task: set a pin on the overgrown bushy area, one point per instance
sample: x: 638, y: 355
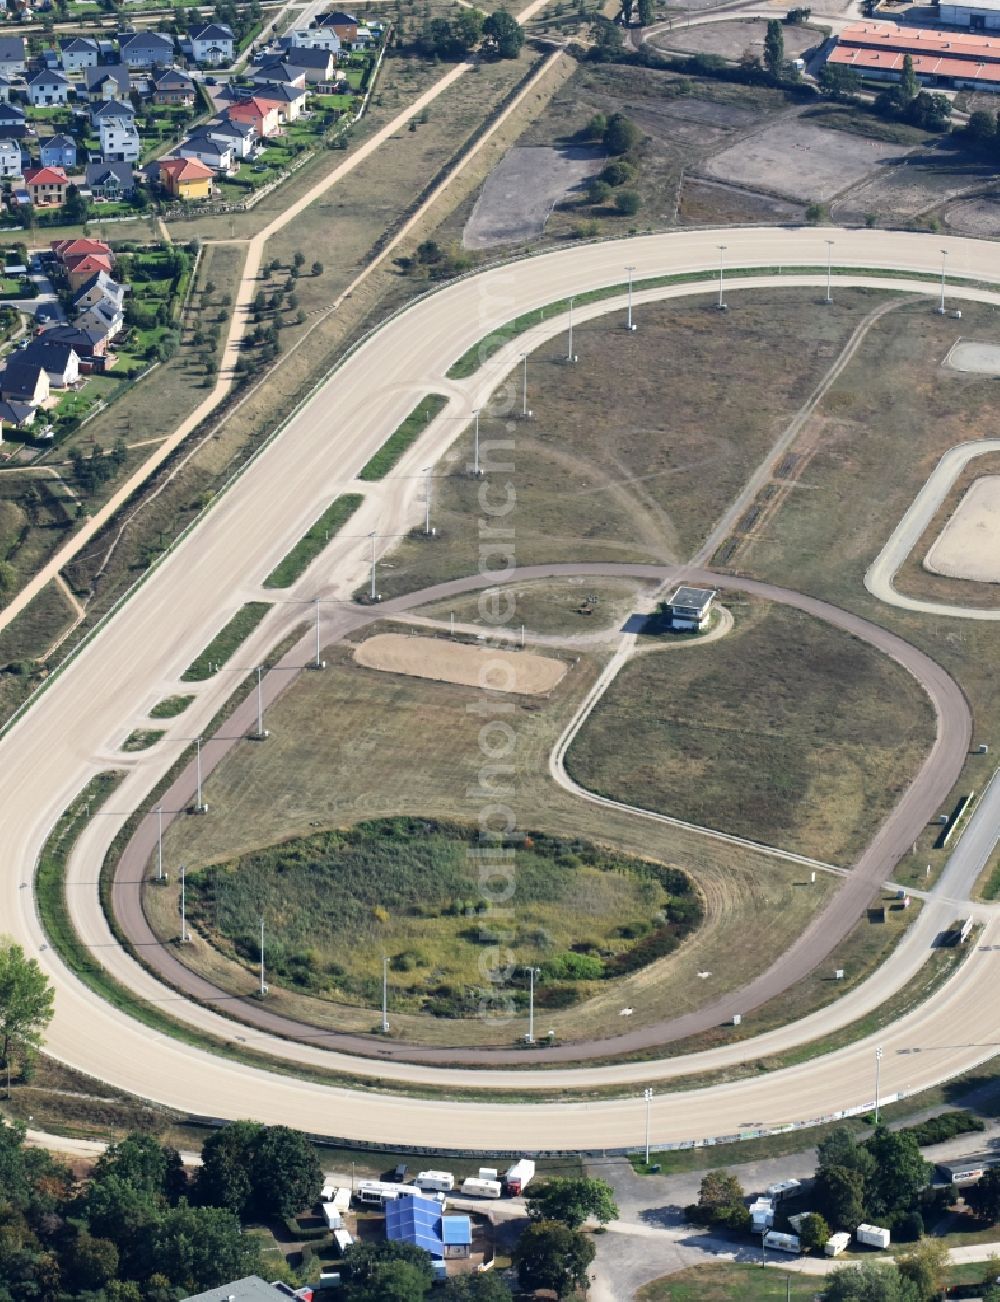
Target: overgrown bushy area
x: 424, y: 892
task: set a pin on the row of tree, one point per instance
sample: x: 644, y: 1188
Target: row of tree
x: 498, y: 34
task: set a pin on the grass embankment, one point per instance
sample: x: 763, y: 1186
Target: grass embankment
x: 404, y: 437
x: 226, y: 642
x: 408, y: 888
x: 309, y: 546
x: 788, y: 731
x: 170, y: 707
x: 729, y: 1282
x: 142, y: 739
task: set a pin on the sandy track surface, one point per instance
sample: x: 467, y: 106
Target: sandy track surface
x: 968, y: 547
x: 490, y: 669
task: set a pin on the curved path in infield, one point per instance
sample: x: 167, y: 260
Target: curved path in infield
x: 879, y: 580
x: 75, y: 728
x: 915, y: 809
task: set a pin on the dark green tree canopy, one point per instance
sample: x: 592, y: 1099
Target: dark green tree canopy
x: 571, y: 1200
x: 550, y: 1255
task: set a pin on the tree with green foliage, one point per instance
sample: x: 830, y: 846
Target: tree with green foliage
x: 908, y: 88
x: 383, y: 1269
x: 627, y: 8
x: 200, y: 1247
x: 550, y: 1255
x: 571, y: 1200
x: 813, y: 1233
x: 257, y: 1170
x: 598, y: 191
x: 774, y: 49
x: 621, y: 135
x: 93, y: 1262
x: 898, y: 1175
x: 142, y: 1162
x: 488, y: 1287
x: 8, y: 577
x: 627, y: 202
x: 838, y: 81
x: 983, y: 1197
x: 595, y: 128
x: 26, y: 1003
x: 839, y: 1148
x: 925, y: 1268
x: 504, y: 34
x: 645, y: 12
x: 839, y: 1194
x: 720, y: 1202
x: 868, y: 1281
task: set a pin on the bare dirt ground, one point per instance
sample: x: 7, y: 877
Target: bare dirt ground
x: 732, y: 39
x: 460, y: 662
x: 979, y: 216
x: 968, y: 547
x: 521, y: 191
x: 980, y: 359
x: 708, y: 202
x: 799, y: 161
x: 907, y: 185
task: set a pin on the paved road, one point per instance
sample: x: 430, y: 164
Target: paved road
x: 906, y: 535
x: 912, y: 813
x: 75, y: 728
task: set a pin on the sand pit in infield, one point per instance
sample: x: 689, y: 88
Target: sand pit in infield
x: 465, y: 663
x: 968, y: 547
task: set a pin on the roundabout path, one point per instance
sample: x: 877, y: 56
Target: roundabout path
x: 74, y: 729
x: 907, y: 819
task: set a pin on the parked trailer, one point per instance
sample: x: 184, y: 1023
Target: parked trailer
x: 782, y: 1242
x: 378, y: 1192
x: 519, y: 1176
x: 873, y: 1236
x: 443, y: 1181
x: 836, y: 1244
x: 783, y: 1188
x: 481, y: 1188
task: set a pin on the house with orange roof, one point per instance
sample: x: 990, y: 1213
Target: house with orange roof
x: 264, y: 115
x: 46, y: 186
x: 75, y: 248
x: 185, y: 178
x: 81, y: 267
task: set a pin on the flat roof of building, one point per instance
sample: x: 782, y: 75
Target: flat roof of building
x: 923, y: 65
x: 249, y: 1289
x: 698, y: 598
x: 976, y: 7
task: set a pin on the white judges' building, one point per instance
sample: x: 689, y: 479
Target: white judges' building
x: 690, y: 608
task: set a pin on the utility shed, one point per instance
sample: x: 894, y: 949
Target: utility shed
x: 690, y: 608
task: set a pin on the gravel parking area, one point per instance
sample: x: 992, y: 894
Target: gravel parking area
x: 799, y: 161
x: 520, y: 192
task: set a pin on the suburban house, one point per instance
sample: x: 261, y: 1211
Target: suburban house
x: 10, y: 160
x: 118, y: 109
x: 98, y: 289
x: 106, y: 81
x: 110, y: 181
x: 239, y: 135
x: 12, y: 57
x: 313, y: 38
x: 82, y: 268
x: 91, y: 346
x: 18, y: 414
x: 66, y: 250
x: 103, y: 319
x: 278, y: 74
x: 59, y: 361
x: 58, y: 151
x: 186, y: 178
x: 13, y: 124
x: 216, y: 154
x: 291, y: 100
x: 46, y: 186
x: 345, y: 25
x: 119, y: 140
x: 22, y: 381
x: 146, y: 50
x: 46, y: 88
x: 262, y: 114
x: 79, y: 53
x: 173, y: 87
x: 318, y: 65
x: 212, y: 45
x: 690, y: 608
x: 6, y: 87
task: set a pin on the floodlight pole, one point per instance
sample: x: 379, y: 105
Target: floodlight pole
x: 317, y: 662
x: 263, y: 983
x: 630, y: 270
x: 184, y: 931
x: 647, y: 1094
x: 524, y: 385
x: 199, y: 805
x: 159, y: 843
x: 829, y: 271
x: 878, y: 1075
x: 944, y: 263
x: 722, y: 250
x: 570, y: 357
x: 427, y: 500
x: 530, y: 1037
x: 385, y: 995
x: 374, y: 535
x: 261, y: 731
x: 475, y: 447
